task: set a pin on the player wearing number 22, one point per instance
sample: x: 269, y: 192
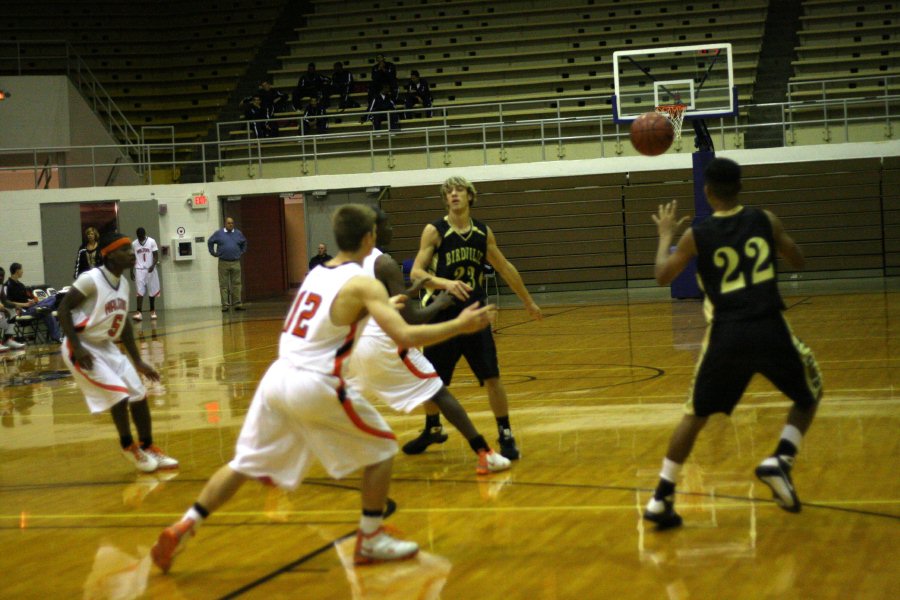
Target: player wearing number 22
x: 747, y: 334
x: 94, y: 316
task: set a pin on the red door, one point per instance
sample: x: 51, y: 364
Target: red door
x: 261, y: 220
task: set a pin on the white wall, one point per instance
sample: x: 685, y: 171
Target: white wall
x: 194, y: 283
x: 36, y: 114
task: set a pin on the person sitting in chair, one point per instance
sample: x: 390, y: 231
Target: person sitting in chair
x: 20, y: 297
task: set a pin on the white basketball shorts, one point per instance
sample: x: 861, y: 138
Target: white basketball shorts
x: 111, y: 379
x: 297, y: 415
x: 146, y: 283
x: 401, y: 379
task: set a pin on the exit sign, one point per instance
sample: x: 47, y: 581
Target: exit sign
x: 200, y: 201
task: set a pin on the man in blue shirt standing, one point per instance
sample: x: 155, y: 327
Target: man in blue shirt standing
x: 228, y: 245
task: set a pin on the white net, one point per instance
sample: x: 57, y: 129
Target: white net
x: 675, y: 114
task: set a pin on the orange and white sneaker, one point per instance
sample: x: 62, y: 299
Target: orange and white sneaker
x: 163, y: 460
x: 153, y: 314
x: 379, y: 546
x: 141, y: 460
x: 171, y: 541
x: 491, y: 462
x: 137, y: 316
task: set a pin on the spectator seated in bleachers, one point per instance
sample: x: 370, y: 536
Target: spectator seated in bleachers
x: 377, y: 107
x: 20, y: 297
x: 311, y: 124
x: 383, y: 73
x: 312, y: 83
x: 255, y: 114
x: 342, y: 86
x: 272, y: 100
x: 417, y: 93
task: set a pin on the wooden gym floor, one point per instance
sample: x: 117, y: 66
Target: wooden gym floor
x: 595, y: 390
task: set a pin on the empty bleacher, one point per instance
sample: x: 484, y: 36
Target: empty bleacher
x: 163, y: 63
x: 551, y: 58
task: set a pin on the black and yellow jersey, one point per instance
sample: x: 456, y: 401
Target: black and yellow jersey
x: 736, y: 265
x: 461, y: 255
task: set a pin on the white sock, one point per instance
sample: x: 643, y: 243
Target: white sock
x: 193, y: 515
x: 793, y: 435
x: 670, y: 470
x: 369, y: 525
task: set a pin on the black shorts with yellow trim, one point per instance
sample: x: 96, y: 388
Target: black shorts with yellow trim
x: 479, y: 350
x: 734, y: 351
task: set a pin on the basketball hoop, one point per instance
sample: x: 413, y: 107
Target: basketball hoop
x: 675, y: 114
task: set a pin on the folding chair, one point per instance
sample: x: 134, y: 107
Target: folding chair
x: 31, y: 328
x: 490, y: 276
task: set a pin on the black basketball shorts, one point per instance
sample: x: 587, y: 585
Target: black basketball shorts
x: 478, y: 348
x: 736, y: 350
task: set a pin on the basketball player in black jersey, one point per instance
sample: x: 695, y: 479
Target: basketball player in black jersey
x: 747, y: 333
x: 453, y: 251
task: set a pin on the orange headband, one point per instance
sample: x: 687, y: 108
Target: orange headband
x: 114, y: 245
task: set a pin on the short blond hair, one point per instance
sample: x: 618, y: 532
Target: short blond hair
x: 458, y: 181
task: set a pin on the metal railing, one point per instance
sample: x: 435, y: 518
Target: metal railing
x: 58, y: 56
x: 508, y: 125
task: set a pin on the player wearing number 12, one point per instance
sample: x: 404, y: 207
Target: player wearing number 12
x: 747, y: 334
x: 304, y: 409
x: 94, y: 316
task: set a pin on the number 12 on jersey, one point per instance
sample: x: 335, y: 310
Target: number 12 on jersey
x: 297, y: 318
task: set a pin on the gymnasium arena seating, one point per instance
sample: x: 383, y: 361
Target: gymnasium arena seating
x: 476, y: 53
x: 591, y: 232
x: 854, y: 47
x: 165, y: 63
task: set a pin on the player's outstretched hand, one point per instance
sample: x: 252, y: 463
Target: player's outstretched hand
x: 534, y: 311
x: 665, y: 219
x: 473, y: 318
x: 398, y: 301
x: 146, y: 370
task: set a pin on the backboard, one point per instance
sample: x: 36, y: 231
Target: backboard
x: 699, y: 76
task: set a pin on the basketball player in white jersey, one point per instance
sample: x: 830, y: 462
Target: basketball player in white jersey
x: 144, y: 273
x: 403, y: 378
x: 93, y: 316
x: 303, y: 407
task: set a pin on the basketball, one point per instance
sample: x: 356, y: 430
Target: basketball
x: 651, y: 134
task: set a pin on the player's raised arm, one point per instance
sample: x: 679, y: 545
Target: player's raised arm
x: 668, y: 266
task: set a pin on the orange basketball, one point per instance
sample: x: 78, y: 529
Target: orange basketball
x: 651, y: 134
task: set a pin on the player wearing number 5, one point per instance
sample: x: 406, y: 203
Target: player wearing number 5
x: 94, y: 316
x: 453, y: 251
x: 747, y: 334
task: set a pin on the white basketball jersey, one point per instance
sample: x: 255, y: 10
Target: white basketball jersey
x: 101, y: 316
x: 372, y: 328
x: 309, y: 339
x: 143, y: 253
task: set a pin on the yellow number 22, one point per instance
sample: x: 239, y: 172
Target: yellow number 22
x: 727, y: 258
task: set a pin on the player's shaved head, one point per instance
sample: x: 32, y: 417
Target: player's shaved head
x: 351, y: 223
